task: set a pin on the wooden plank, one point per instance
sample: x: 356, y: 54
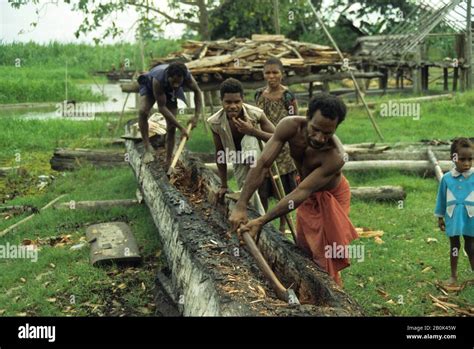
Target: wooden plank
x: 268, y: 37
x: 398, y: 165
x: 214, y: 86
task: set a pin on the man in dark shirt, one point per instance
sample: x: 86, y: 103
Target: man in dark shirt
x: 164, y: 84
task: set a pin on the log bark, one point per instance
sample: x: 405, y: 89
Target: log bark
x: 367, y: 154
x: 4, y: 171
x: 418, y: 166
x: 383, y: 193
x: 72, y: 159
x: 73, y: 205
x: 435, y: 164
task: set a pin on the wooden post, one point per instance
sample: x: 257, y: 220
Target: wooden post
x: 458, y: 70
x: 208, y: 101
x: 455, y: 79
x: 276, y: 16
x: 468, y: 46
x: 326, y: 86
x: 445, y: 79
x: 424, y: 68
x: 383, y: 81
x: 425, y: 78
x: 416, y: 80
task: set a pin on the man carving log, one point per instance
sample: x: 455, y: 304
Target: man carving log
x: 164, y: 85
x: 323, y: 193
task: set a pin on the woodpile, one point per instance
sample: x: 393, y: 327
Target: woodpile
x: 243, y: 58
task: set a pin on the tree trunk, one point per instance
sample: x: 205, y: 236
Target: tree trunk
x: 203, y: 21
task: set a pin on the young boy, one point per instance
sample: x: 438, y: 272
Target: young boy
x: 236, y: 130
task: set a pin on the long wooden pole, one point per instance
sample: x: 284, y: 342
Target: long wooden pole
x: 356, y: 85
x: 435, y: 163
x: 179, y: 150
x: 280, y: 191
x: 26, y: 219
x: 469, y: 76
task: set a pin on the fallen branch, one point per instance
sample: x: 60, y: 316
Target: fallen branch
x: 26, y: 219
x: 73, y: 205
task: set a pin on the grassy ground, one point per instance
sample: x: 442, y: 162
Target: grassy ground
x: 62, y: 282
x: 395, y: 277
x: 37, y: 73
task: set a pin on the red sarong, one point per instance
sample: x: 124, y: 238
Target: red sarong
x: 321, y: 221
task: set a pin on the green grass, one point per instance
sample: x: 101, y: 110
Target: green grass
x: 60, y: 275
x: 438, y: 119
x: 36, y: 73
x: 83, y: 57
x: 396, y: 266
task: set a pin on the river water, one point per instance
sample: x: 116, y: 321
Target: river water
x: 85, y: 110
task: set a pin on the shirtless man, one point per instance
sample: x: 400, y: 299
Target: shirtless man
x: 323, y: 194
x: 164, y: 84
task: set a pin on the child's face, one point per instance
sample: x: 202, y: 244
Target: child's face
x: 463, y: 159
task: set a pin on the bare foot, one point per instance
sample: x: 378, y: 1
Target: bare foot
x: 451, y: 281
x: 148, y: 157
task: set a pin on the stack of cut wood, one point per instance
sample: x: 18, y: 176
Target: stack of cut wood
x: 244, y: 58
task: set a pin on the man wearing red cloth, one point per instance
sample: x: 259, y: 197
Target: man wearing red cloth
x: 323, y: 194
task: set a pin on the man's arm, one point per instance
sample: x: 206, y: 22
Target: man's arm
x: 255, y: 177
x: 193, y: 86
x: 267, y: 129
x: 339, y: 146
x: 160, y: 97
